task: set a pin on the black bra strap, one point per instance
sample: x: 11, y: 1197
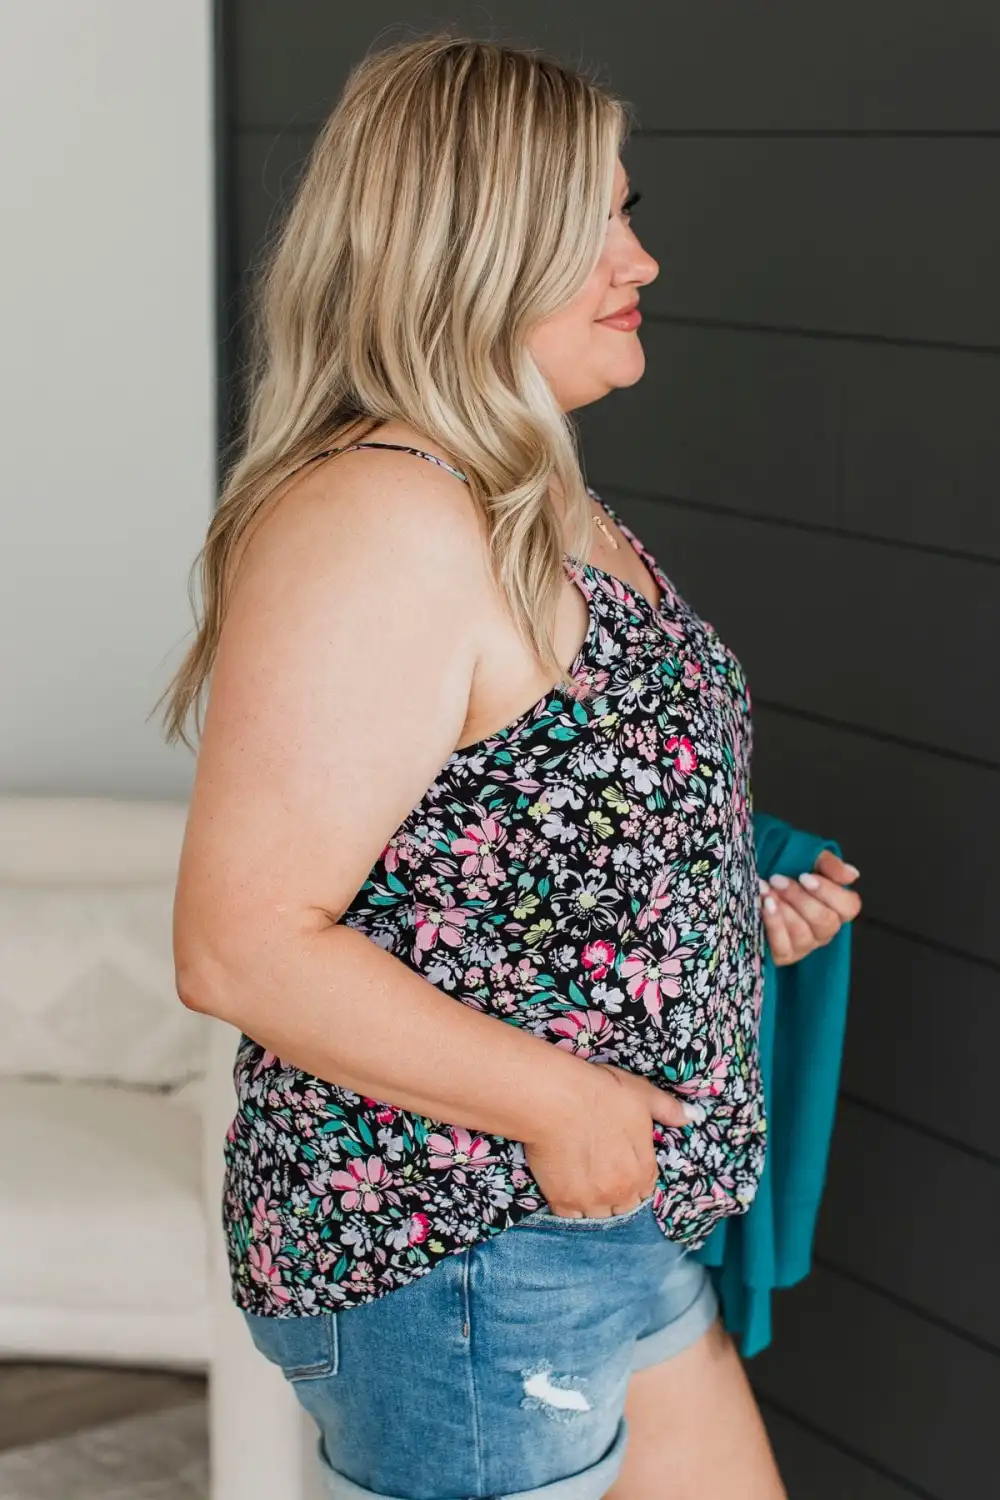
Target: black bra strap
x: 401, y: 448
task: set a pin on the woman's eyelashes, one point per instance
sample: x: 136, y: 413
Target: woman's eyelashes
x: 628, y: 205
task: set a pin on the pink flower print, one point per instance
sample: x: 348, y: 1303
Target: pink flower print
x: 391, y: 857
x: 713, y: 1078
x: 458, y: 1149
x: 363, y: 1184
x: 384, y: 1113
x: 659, y: 899
x: 265, y: 1225
x: 692, y: 673
x: 444, y: 922
x: 524, y: 974
x: 682, y: 750
x: 480, y: 845
x: 598, y: 957
x: 583, y: 1031
x: 651, y: 977
x: 712, y: 1199
x: 266, y: 1274
x: 419, y: 1227
x: 363, y: 1275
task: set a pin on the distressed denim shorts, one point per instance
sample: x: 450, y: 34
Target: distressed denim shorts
x: 501, y: 1372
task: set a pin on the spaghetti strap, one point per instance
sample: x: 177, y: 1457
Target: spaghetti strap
x: 400, y: 448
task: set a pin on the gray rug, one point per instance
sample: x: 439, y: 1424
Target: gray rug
x: 159, y: 1456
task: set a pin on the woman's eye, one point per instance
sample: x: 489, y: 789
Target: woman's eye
x: 627, y: 206
x: 630, y: 202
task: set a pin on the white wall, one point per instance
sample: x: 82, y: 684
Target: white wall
x: 106, y: 382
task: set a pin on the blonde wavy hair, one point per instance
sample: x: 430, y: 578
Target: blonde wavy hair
x: 458, y: 194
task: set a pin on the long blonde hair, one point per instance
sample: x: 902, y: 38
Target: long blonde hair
x: 458, y: 193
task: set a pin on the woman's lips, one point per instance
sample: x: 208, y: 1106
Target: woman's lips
x: 625, y: 321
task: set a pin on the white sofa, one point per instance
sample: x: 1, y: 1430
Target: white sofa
x: 114, y: 1102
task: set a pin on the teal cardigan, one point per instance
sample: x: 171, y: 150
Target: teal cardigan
x: 802, y: 1023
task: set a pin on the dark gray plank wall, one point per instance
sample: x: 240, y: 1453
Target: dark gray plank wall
x: 814, y: 454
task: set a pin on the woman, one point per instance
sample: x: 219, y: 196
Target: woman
x: 469, y: 856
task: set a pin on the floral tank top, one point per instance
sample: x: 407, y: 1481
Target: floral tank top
x: 586, y: 872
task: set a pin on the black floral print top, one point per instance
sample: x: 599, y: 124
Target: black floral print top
x: 587, y: 873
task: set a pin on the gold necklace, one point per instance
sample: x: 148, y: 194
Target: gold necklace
x: 607, y: 533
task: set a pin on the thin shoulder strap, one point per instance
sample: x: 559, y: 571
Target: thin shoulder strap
x: 401, y: 448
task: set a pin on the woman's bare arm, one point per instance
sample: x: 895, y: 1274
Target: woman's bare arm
x: 340, y: 688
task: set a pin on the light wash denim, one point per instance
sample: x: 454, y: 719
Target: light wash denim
x: 500, y: 1373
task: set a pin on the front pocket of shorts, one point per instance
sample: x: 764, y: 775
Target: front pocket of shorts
x: 547, y: 1220
x: 304, y: 1348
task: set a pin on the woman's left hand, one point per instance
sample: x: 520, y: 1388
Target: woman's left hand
x: 802, y: 915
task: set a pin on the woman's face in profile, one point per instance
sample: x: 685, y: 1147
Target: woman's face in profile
x: 584, y: 350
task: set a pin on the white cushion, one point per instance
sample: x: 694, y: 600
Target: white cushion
x: 101, y: 1200
x: 87, y: 988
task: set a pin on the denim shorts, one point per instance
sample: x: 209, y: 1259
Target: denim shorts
x: 502, y: 1372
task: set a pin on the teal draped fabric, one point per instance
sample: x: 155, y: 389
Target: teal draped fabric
x: 803, y: 1020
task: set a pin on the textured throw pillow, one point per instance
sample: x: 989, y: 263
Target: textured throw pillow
x: 87, y: 986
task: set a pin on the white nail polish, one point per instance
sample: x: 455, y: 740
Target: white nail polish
x: 694, y: 1112
x: 780, y: 882
x: 811, y: 882
x: 770, y: 905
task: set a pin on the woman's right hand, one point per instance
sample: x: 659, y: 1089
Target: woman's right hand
x: 599, y: 1160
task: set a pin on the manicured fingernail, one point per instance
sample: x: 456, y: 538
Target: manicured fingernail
x: 780, y: 882
x: 770, y: 905
x: 811, y: 882
x: 694, y: 1113
x: 852, y: 872
x: 763, y: 886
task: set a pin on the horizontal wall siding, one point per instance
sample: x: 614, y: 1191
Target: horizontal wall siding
x: 780, y: 66
x: 894, y: 1202
x: 813, y: 1468
x: 898, y: 444
x: 923, y: 1037
x: 916, y: 1398
x: 921, y: 447
x: 920, y: 827
x: 891, y: 238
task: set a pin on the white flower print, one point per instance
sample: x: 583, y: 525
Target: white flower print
x: 641, y: 776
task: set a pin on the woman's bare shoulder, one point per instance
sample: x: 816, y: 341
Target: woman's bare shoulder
x: 387, y: 512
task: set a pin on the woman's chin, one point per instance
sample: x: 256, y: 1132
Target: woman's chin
x: 612, y: 377
x: 628, y: 371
